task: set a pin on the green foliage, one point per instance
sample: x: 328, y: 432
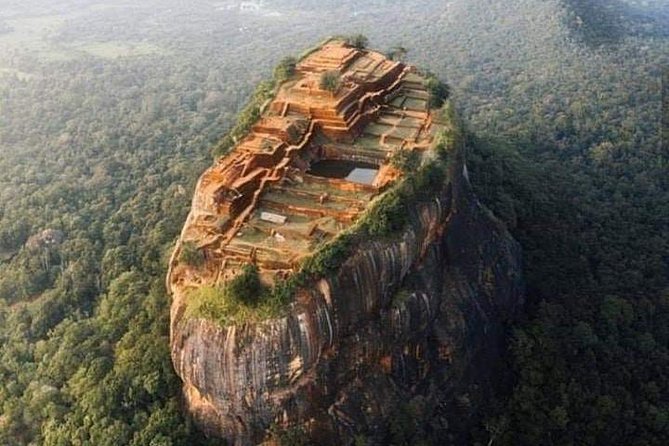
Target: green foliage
x: 598, y: 25
x: 359, y: 41
x: 294, y: 436
x: 406, y: 161
x: 330, y: 81
x: 328, y: 258
x: 285, y: 69
x: 245, y: 287
x: 400, y: 297
x: 589, y: 325
x: 242, y: 300
x: 452, y: 137
x: 429, y: 179
x: 439, y: 91
x: 191, y: 255
x: 388, y: 216
x: 397, y: 53
x: 405, y: 424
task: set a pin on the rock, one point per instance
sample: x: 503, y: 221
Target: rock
x: 338, y: 363
x: 406, y: 331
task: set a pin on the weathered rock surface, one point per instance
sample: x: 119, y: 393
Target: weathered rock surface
x: 419, y: 317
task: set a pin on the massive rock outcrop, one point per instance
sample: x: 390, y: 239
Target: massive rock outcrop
x: 412, y: 317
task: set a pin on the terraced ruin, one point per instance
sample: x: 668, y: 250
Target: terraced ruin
x: 309, y: 167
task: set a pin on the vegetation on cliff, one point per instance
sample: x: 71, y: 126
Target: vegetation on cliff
x: 227, y: 307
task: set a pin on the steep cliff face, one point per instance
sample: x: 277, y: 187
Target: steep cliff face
x: 415, y: 318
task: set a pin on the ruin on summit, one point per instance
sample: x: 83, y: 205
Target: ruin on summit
x: 309, y: 167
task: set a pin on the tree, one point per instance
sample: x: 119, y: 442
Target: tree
x: 439, y: 91
x: 397, y: 53
x: 330, y: 81
x: 358, y: 41
x: 245, y: 287
x: 191, y: 255
x: 285, y: 69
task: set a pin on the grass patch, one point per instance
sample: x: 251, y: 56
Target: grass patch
x: 217, y: 305
x: 378, y: 129
x: 398, y: 101
x: 367, y: 141
x: 406, y: 133
x: 243, y: 299
x: 415, y: 104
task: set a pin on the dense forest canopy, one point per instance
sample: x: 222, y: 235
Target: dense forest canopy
x: 108, y: 113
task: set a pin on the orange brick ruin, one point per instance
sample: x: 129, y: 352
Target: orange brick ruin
x: 309, y: 167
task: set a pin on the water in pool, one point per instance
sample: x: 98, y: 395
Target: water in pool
x: 353, y: 171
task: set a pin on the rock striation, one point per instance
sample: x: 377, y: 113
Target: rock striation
x: 412, y: 317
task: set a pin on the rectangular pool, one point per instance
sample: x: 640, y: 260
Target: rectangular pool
x: 356, y: 172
